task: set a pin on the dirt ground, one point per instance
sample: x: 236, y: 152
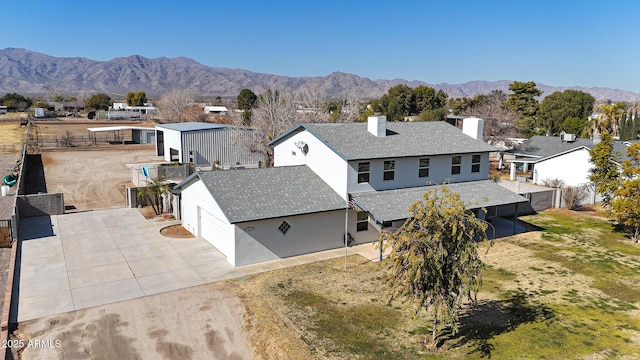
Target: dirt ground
x: 203, y: 322
x: 93, y: 179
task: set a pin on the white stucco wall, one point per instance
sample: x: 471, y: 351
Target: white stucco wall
x: 573, y: 168
x: 173, y: 140
x: 322, y: 160
x: 258, y: 241
x: 196, y: 199
x: 406, y: 173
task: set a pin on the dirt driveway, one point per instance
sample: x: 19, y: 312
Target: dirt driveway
x: 203, y: 322
x: 93, y: 179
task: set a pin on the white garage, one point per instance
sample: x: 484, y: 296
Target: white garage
x: 231, y: 209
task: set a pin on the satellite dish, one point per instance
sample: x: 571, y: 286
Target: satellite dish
x: 302, y: 146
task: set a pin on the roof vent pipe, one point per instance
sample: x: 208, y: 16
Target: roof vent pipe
x: 377, y: 125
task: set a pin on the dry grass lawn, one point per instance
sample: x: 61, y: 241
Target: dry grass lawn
x: 12, y: 137
x: 570, y: 290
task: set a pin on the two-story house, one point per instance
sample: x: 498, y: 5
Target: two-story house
x: 364, y: 174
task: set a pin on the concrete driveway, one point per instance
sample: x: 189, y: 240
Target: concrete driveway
x: 80, y: 260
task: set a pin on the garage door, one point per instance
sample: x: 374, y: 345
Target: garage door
x: 210, y: 227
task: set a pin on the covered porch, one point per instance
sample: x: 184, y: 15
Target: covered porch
x: 489, y: 201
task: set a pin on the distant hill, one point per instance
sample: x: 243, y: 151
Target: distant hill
x: 33, y: 73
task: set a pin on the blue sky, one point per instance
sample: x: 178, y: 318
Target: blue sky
x: 559, y: 43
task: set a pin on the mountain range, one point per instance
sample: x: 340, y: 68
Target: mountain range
x: 33, y: 73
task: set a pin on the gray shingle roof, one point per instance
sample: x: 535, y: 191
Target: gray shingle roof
x: 352, y: 141
x: 191, y: 126
x: 542, y: 147
x: 255, y: 194
x: 392, y: 205
x: 545, y: 146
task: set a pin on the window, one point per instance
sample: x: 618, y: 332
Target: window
x: 423, y: 168
x: 475, y: 163
x: 363, y: 172
x: 455, y: 164
x: 362, y: 221
x: 284, y: 227
x: 389, y: 170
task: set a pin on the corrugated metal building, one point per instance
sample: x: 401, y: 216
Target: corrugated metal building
x: 206, y: 144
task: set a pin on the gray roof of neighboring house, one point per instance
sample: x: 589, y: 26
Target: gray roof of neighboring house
x: 542, y: 147
x: 545, y: 146
x: 192, y: 126
x: 255, y: 194
x: 352, y: 141
x: 389, y: 205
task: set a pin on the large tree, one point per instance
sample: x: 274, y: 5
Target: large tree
x: 246, y: 101
x: 99, y: 101
x: 605, y: 175
x: 523, y: 101
x: 401, y: 101
x: 610, y: 117
x: 16, y: 101
x: 626, y: 202
x: 434, y: 259
x: 500, y: 123
x: 174, y: 105
x: 138, y: 98
x: 274, y: 113
x: 559, y: 106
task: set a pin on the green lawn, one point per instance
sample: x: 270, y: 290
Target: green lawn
x: 570, y: 291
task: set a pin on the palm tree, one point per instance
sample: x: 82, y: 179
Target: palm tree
x: 611, y: 114
x: 154, y: 191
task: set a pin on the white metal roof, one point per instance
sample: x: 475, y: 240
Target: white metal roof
x: 119, y: 128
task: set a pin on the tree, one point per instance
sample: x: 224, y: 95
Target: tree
x: 628, y: 127
x: 99, y: 101
x: 246, y: 101
x: 523, y: 101
x: 610, y: 117
x: 427, y: 98
x: 604, y: 174
x: 136, y: 98
x: 434, y: 259
x: 574, y: 125
x: 500, y: 123
x: 401, y: 101
x: 397, y: 103
x: 626, y: 203
x: 311, y: 97
x: 559, y: 106
x: 274, y: 113
x: 16, y: 101
x: 155, y: 191
x: 173, y: 104
x: 351, y: 107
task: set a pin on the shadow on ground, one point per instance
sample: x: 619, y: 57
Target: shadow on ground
x: 485, y: 320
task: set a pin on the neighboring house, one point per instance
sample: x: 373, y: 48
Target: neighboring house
x: 206, y: 144
x: 371, y: 172
x: 220, y: 110
x: 558, y: 157
x: 145, y: 109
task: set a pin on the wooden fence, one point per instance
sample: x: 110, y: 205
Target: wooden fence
x: 6, y: 238
x: 47, y: 142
